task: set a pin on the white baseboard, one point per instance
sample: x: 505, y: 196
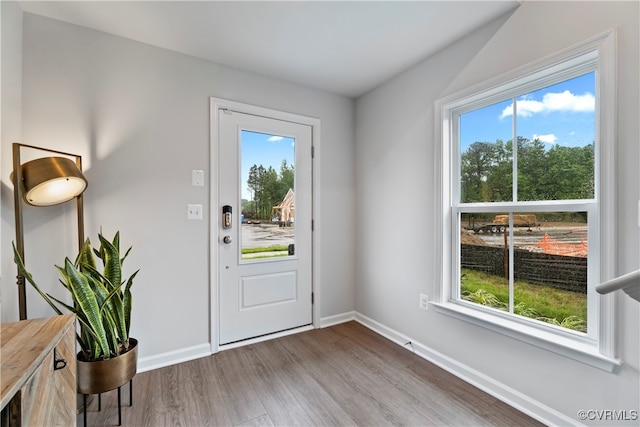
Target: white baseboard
x: 265, y: 338
x: 173, y: 357
x: 510, y: 396
x: 325, y: 322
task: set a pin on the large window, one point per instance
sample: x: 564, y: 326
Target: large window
x: 518, y: 252
x: 523, y: 160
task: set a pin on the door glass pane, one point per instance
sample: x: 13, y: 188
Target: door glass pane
x: 268, y: 196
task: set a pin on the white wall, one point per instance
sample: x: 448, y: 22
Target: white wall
x: 10, y: 125
x: 139, y: 116
x: 396, y: 259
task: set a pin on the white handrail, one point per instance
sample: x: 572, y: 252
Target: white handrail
x: 629, y: 283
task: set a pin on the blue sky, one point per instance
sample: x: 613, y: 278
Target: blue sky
x: 266, y: 150
x: 562, y: 114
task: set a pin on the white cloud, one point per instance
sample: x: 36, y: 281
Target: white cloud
x: 274, y: 138
x: 563, y: 101
x: 549, y: 138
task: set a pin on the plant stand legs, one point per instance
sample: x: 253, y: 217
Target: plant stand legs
x: 84, y: 401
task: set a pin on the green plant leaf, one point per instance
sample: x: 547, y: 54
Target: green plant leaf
x: 127, y: 301
x: 110, y: 303
x: 85, y: 256
x: 126, y: 254
x: 86, y: 300
x: 111, y: 260
x: 116, y: 308
x: 111, y: 329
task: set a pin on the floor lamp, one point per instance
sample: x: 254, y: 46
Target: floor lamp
x: 45, y: 181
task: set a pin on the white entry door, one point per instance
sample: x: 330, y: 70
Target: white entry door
x: 265, y: 236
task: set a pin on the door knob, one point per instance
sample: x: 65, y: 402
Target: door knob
x: 226, y: 239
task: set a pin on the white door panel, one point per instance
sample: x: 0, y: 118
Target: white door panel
x: 268, y: 290
x: 265, y: 263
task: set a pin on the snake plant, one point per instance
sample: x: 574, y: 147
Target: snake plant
x: 101, y: 299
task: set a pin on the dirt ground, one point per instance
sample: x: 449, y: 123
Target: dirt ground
x: 531, y: 238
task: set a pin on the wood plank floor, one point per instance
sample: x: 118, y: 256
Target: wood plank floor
x: 345, y: 375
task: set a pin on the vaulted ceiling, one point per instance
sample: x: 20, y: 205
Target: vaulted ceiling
x: 345, y: 47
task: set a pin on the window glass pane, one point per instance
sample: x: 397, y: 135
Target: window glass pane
x: 550, y: 268
x: 484, y: 260
x: 486, y: 154
x: 556, y: 137
x: 268, y: 196
x: 549, y: 261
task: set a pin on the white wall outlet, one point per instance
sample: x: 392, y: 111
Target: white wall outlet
x: 194, y: 211
x: 424, y: 302
x: 197, y: 178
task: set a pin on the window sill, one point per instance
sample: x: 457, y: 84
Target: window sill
x: 576, y: 348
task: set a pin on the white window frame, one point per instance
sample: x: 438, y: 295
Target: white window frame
x: 597, y: 347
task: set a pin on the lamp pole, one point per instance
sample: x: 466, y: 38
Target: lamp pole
x: 18, y: 191
x: 17, y: 205
x: 80, y: 209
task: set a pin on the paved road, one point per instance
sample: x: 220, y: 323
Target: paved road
x: 266, y: 234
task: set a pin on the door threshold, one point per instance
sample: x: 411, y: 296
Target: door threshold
x: 266, y: 337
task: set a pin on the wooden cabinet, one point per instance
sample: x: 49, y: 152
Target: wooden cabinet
x: 38, y: 378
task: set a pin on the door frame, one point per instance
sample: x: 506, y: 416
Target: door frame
x: 217, y: 104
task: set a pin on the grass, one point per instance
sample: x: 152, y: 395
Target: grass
x: 559, y: 307
x: 269, y: 252
x: 266, y: 256
x: 277, y: 248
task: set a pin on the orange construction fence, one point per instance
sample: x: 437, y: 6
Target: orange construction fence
x: 552, y: 246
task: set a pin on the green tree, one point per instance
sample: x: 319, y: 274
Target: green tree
x: 475, y: 166
x: 559, y: 173
x: 570, y: 172
x: 255, y: 182
x: 271, y: 199
x: 532, y: 168
x: 500, y: 177
x: 287, y: 178
x: 268, y: 188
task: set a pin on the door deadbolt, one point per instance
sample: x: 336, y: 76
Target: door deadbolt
x: 226, y: 217
x: 226, y: 239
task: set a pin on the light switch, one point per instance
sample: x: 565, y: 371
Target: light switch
x: 197, y: 178
x: 194, y: 211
